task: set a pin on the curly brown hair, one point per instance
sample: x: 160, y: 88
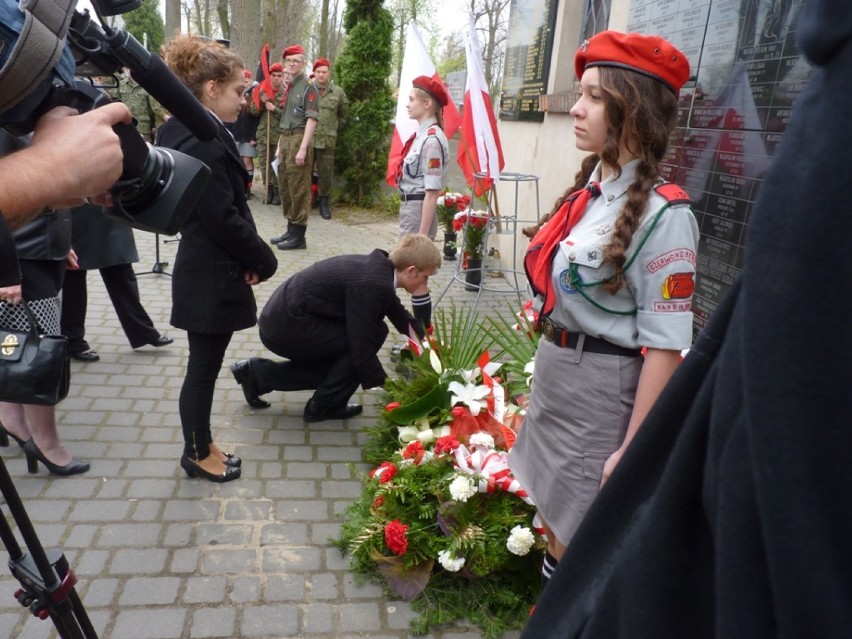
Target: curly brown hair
x: 641, y: 112
x: 196, y: 61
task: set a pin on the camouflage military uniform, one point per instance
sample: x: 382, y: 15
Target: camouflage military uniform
x: 334, y: 111
x: 269, y: 121
x: 148, y: 112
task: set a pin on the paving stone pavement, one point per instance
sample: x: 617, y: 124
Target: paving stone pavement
x: 159, y: 555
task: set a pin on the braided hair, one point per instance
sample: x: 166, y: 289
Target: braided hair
x: 641, y: 113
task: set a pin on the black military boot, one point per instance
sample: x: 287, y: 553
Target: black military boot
x: 276, y: 196
x: 284, y: 236
x: 325, y: 212
x: 296, y: 240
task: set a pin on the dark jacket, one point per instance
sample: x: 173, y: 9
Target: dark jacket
x: 10, y: 270
x: 356, y: 292
x: 730, y: 514
x: 218, y: 243
x: 99, y: 241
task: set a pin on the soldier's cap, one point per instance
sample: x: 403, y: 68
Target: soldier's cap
x: 649, y: 55
x: 293, y: 49
x: 321, y: 62
x: 276, y: 68
x: 432, y: 87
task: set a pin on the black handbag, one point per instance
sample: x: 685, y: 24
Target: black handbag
x: 34, y: 368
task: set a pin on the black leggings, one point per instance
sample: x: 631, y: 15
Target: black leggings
x: 206, y: 353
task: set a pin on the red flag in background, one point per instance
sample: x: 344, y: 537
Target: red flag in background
x: 479, y: 147
x: 262, y: 76
x: 415, y: 62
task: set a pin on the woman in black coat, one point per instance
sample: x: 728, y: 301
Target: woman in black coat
x: 220, y: 256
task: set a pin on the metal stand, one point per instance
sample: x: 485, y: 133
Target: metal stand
x: 514, y: 278
x: 159, y: 267
x: 47, y: 583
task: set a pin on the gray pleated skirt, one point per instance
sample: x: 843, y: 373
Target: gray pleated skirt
x: 577, y: 417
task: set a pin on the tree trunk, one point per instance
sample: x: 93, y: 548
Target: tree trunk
x: 246, y: 36
x: 224, y: 22
x: 323, y: 34
x: 172, y: 18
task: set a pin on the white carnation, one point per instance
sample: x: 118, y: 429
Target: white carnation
x: 482, y: 439
x: 461, y: 488
x: 450, y: 563
x: 520, y: 540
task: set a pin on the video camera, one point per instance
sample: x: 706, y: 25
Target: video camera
x: 49, y: 52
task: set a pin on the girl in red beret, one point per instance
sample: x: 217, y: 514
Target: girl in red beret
x: 613, y: 272
x: 422, y: 173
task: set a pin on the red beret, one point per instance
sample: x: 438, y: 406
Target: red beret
x: 321, y: 62
x: 276, y: 68
x: 649, y: 55
x: 433, y: 88
x: 293, y: 49
x: 248, y: 75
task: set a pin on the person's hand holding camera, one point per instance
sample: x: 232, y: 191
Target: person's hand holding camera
x: 71, y: 158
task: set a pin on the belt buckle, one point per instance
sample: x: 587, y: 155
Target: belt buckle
x: 548, y: 329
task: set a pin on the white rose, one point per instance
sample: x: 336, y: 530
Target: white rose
x: 482, y: 439
x: 451, y: 564
x: 461, y: 488
x: 520, y: 540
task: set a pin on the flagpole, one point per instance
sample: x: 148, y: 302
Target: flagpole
x: 268, y: 161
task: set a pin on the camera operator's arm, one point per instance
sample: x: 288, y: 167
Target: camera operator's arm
x: 71, y: 158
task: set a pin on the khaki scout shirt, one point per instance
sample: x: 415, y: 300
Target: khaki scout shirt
x: 655, y: 308
x: 302, y: 103
x: 424, y: 168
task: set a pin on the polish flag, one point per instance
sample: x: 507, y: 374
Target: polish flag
x: 415, y: 62
x: 479, y: 147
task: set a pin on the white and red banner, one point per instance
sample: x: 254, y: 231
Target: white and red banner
x: 415, y: 62
x: 479, y: 147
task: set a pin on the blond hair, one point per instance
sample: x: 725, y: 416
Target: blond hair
x: 415, y: 250
x: 196, y: 61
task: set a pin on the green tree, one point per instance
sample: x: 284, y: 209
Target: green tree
x: 362, y: 70
x: 146, y: 25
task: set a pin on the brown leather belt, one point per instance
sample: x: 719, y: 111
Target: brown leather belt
x: 412, y: 197
x: 560, y: 336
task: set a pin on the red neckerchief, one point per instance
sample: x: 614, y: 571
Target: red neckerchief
x: 405, y: 149
x: 543, y: 247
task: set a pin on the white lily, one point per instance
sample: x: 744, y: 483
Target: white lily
x: 470, y: 395
x: 435, y: 361
x: 408, y: 434
x: 529, y: 370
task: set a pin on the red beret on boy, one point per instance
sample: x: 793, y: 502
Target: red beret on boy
x: 433, y: 88
x: 321, y: 62
x: 276, y: 68
x: 649, y: 55
x: 293, y: 49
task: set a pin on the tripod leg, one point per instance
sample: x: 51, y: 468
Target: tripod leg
x: 47, y: 582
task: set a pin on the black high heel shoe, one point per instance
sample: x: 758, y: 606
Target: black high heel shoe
x: 5, y: 435
x: 230, y: 459
x: 192, y: 469
x: 34, y: 455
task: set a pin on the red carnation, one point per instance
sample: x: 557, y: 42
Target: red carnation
x: 384, y: 472
x: 413, y: 451
x: 446, y: 445
x: 396, y: 537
